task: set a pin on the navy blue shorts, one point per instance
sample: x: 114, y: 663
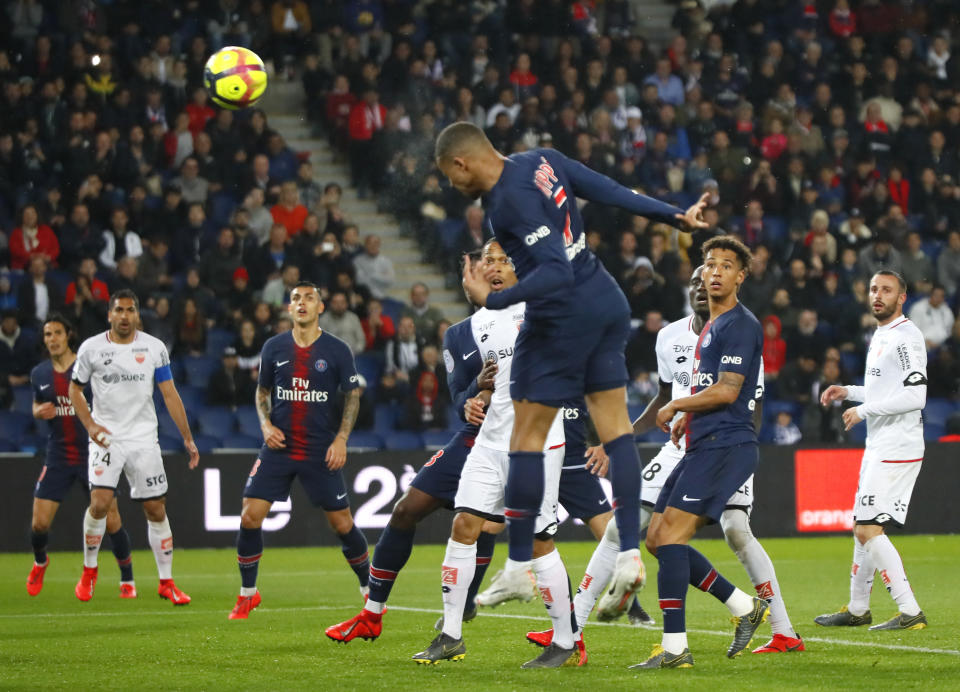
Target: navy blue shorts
x: 704, y: 480
x: 55, y: 481
x: 271, y: 479
x: 581, y: 494
x: 558, y: 360
x: 440, y: 476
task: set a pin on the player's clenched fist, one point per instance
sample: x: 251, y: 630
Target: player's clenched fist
x: 833, y: 393
x: 273, y: 436
x: 473, y: 409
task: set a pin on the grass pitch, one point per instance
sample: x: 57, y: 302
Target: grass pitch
x: 54, y: 641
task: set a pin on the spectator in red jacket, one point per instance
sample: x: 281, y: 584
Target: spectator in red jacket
x: 377, y: 327
x: 774, y: 347
x: 843, y: 22
x: 288, y: 211
x: 200, y: 111
x: 366, y: 121
x: 899, y: 188
x: 340, y: 102
x: 98, y: 289
x: 32, y: 238
x: 522, y: 79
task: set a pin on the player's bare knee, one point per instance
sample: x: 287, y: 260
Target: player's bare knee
x: 466, y: 528
x: 543, y: 547
x: 340, y: 521
x: 99, y: 505
x: 612, y: 533
x: 155, y: 510
x: 864, y: 532
x: 736, y: 529
x: 40, y: 525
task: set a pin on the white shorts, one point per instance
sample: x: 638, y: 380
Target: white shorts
x: 656, y: 472
x: 143, y: 467
x: 484, y: 478
x: 885, y: 487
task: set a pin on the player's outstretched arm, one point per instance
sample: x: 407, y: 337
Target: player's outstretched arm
x: 597, y: 187
x: 97, y: 433
x: 337, y: 451
x: 648, y: 419
x: 722, y: 393
x: 834, y: 392
x: 171, y: 397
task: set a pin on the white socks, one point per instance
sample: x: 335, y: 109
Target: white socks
x: 739, y: 604
x: 674, y: 642
x: 459, y: 566
x: 374, y: 607
x: 161, y: 541
x: 595, y: 580
x: 861, y: 579
x: 759, y: 567
x: 93, y: 530
x: 894, y: 577
x: 554, y: 588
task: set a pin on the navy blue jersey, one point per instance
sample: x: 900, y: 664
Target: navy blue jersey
x: 731, y: 343
x: 534, y: 216
x: 67, y: 441
x: 575, y: 433
x: 461, y: 356
x: 303, y: 384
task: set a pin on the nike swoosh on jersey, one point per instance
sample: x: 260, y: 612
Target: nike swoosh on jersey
x: 43, y: 386
x: 467, y: 355
x: 340, y: 497
x: 690, y: 499
x: 282, y: 362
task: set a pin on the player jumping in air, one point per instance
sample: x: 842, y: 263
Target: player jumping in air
x: 300, y: 373
x: 122, y: 366
x: 481, y: 494
x: 434, y: 486
x: 577, y: 318
x: 66, y: 458
x: 721, y: 456
x: 893, y: 395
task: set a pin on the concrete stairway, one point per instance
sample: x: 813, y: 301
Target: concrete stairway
x: 284, y: 105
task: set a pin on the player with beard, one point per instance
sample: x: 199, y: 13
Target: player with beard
x: 893, y: 395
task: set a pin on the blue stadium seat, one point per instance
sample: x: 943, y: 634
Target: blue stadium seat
x: 654, y: 435
x: 7, y: 446
x: 362, y: 441
x: 199, y: 369
x: 166, y: 425
x: 219, y: 339
x: 392, y: 307
x: 237, y: 441
x: 435, y: 439
x: 371, y: 368
x: 934, y: 431
x: 170, y: 444
x: 176, y: 369
x: 402, y: 440
x: 23, y: 400
x: 248, y: 423
x: 857, y: 434
x: 773, y: 407
x: 937, y: 411
x: 384, y: 418
x: 194, y: 398
x: 206, y: 443
x: 14, y: 426
x: 221, y: 209
x: 216, y: 421
x: 30, y: 444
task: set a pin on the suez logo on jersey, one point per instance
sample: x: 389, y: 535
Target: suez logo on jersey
x: 301, y: 392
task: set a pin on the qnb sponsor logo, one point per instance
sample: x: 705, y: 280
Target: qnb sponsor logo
x: 731, y: 360
x: 301, y: 392
x: 532, y: 238
x: 577, y: 247
x: 825, y: 520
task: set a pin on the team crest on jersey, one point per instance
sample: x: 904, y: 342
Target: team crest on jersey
x: 320, y: 365
x: 140, y: 357
x: 706, y: 340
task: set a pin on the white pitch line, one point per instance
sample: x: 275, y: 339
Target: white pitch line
x: 179, y: 612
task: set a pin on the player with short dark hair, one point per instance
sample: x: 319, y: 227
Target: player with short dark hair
x: 123, y: 367
x: 577, y: 319
x: 66, y: 456
x: 300, y: 374
x: 721, y: 455
x: 893, y: 395
x: 434, y: 486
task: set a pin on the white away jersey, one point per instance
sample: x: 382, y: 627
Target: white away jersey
x: 122, y: 377
x: 495, y: 334
x: 896, y: 373
x: 675, y: 347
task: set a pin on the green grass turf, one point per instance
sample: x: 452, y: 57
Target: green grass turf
x: 55, y: 641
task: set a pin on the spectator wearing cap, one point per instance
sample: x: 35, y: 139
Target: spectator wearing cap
x: 32, y: 238
x: 229, y: 384
x: 288, y: 211
x: 933, y: 317
x: 880, y: 254
x: 425, y: 316
x: 342, y: 323
x: 374, y: 269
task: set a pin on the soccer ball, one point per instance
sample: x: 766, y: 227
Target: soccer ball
x: 235, y: 77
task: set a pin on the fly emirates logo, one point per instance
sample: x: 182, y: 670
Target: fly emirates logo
x: 300, y: 392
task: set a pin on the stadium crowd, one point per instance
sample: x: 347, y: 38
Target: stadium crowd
x: 827, y: 134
